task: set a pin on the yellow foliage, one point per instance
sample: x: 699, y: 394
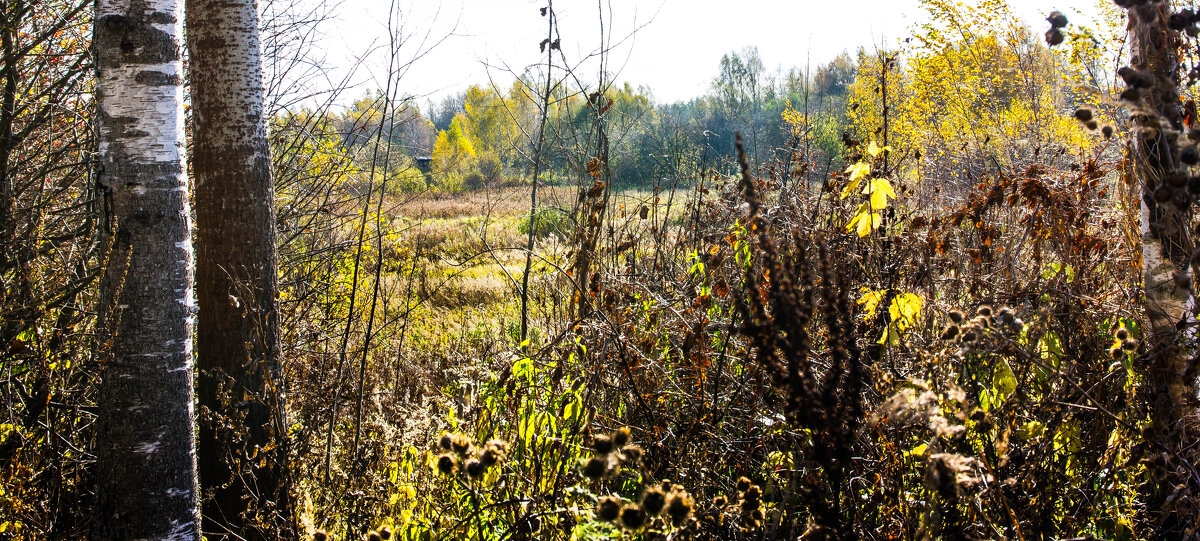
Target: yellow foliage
x: 974, y: 81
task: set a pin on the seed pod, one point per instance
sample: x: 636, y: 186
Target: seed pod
x: 1057, y: 19
x: 1107, y: 130
x: 596, y: 467
x: 447, y: 464
x: 632, y: 516
x: 743, y: 484
x: 1162, y: 194
x: 1054, y: 37
x: 653, y: 500
x: 957, y: 316
x: 1189, y: 155
x: 608, y: 508
x: 679, y: 506
x: 474, y: 468
x: 985, y: 310
x: 1122, y: 333
x: 950, y: 332
x: 621, y: 436
x: 603, y: 444
x: 1083, y: 114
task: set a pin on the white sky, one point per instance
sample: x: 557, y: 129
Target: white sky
x: 675, y: 50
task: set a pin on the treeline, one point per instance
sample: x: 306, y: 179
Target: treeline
x: 480, y: 136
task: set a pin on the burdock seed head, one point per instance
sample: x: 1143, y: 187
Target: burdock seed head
x: 1084, y: 114
x: 608, y: 508
x: 603, y: 444
x: 679, y: 506
x: 320, y: 535
x: 446, y: 442
x: 596, y: 467
x: 653, y: 500
x: 951, y: 332
x: 985, y: 310
x: 621, y: 436
x: 632, y: 453
x: 632, y: 516
x: 461, y: 443
x: 1057, y: 19
x: 475, y: 468
x: 957, y: 316
x: 1122, y: 333
x: 447, y: 464
x: 1054, y: 37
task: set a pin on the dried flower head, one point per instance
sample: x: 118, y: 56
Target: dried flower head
x: 720, y: 502
x: 494, y: 452
x: 743, y: 484
x: 1122, y: 333
x: 446, y: 441
x: 474, y: 468
x: 374, y: 536
x: 621, y: 436
x: 653, y: 500
x: 385, y: 533
x: 603, y: 444
x: 679, y: 506
x: 596, y: 467
x: 632, y: 516
x: 957, y: 316
x: 632, y: 453
x: 1057, y: 19
x: 985, y: 310
x: 320, y: 535
x: 447, y: 464
x: 951, y: 332
x: 460, y: 443
x: 608, y: 508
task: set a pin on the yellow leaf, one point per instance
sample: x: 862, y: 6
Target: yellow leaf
x: 857, y: 172
x: 870, y: 301
x: 874, y: 149
x: 880, y: 189
x: 905, y: 309
x: 865, y: 220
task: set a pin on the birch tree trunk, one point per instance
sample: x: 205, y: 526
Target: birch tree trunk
x: 145, y: 441
x: 242, y: 447
x: 1167, y: 247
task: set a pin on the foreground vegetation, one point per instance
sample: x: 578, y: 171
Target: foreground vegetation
x: 905, y: 302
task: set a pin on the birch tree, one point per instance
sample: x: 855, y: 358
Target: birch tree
x: 242, y: 451
x: 145, y: 441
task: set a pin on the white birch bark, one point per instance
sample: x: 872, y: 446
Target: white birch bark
x: 146, y: 461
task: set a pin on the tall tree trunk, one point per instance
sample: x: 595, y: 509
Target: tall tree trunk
x: 145, y: 441
x: 242, y: 447
x: 1167, y: 245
